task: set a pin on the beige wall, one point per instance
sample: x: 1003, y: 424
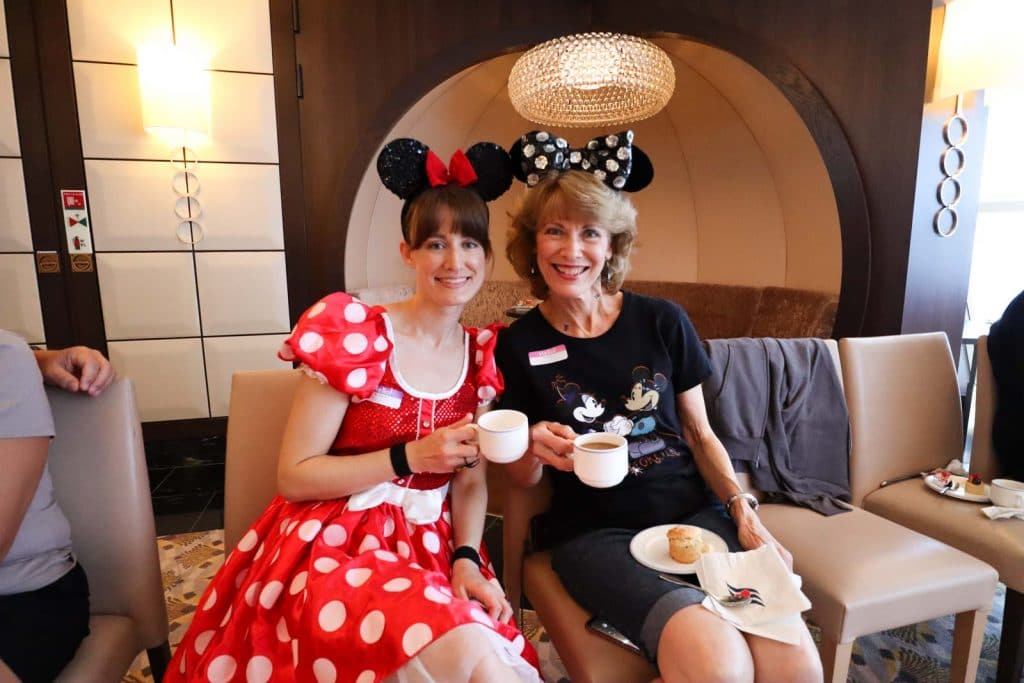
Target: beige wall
x: 179, y: 320
x: 740, y: 194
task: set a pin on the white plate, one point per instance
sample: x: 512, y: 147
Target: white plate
x: 932, y: 482
x: 650, y: 548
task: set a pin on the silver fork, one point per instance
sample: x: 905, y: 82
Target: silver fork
x: 724, y: 601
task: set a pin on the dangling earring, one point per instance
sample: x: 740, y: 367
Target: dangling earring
x: 533, y: 270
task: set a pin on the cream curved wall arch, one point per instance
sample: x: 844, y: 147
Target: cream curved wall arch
x: 740, y: 194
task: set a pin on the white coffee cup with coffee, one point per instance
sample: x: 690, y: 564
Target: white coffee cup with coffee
x: 600, y: 459
x: 502, y: 435
x: 1007, y: 493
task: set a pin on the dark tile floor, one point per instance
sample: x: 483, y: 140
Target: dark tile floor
x: 186, y: 479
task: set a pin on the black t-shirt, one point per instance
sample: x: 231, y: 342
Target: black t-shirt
x: 624, y: 381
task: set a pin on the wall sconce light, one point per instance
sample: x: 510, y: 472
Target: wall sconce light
x: 980, y: 48
x: 174, y: 84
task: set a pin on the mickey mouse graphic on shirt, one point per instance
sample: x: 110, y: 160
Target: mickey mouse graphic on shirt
x: 585, y: 407
x: 642, y: 401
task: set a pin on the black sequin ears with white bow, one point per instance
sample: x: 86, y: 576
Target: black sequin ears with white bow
x: 613, y: 159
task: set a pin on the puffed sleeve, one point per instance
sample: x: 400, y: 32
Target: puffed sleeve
x: 343, y: 342
x: 489, y: 382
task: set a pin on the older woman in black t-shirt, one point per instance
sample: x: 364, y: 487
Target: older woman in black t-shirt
x: 592, y: 357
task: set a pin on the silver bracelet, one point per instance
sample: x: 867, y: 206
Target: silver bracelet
x: 742, y: 495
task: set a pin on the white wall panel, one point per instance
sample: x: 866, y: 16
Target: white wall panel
x: 148, y: 295
x: 243, y: 123
x: 241, y: 206
x: 112, y: 30
x: 228, y: 355
x: 110, y: 114
x: 242, y: 292
x: 168, y: 376
x: 236, y: 32
x: 132, y: 206
x: 9, y: 145
x: 15, y: 234
x: 19, y: 303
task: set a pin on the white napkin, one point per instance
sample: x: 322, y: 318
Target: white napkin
x: 761, y: 569
x: 997, y: 512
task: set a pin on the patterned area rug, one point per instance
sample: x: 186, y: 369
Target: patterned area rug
x: 911, y: 654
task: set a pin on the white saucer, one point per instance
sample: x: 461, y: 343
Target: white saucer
x: 932, y: 482
x: 650, y: 548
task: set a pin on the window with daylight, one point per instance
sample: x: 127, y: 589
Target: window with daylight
x: 997, y: 266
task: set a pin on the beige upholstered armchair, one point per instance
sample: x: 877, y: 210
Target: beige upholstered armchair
x: 918, y: 371
x: 100, y: 480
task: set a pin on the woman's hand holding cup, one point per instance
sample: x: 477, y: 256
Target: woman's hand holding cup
x: 446, y: 449
x: 552, y: 444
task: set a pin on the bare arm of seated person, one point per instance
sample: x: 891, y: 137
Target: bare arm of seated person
x: 306, y: 472
x: 23, y: 461
x: 716, y: 468
x: 550, y: 444
x: 76, y: 368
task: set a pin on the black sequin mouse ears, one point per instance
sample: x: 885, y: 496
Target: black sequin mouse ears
x: 407, y: 167
x: 614, y: 159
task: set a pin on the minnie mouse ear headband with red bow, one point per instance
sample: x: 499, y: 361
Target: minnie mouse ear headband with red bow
x: 407, y: 167
x: 614, y: 159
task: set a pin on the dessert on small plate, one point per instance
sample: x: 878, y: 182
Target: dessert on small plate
x: 969, y: 488
x: 651, y: 547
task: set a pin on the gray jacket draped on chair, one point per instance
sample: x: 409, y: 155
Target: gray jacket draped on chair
x: 778, y: 407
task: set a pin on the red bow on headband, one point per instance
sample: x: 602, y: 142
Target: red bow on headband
x: 459, y: 170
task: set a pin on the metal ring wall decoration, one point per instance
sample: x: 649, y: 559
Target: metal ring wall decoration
x: 186, y: 185
x: 952, y: 164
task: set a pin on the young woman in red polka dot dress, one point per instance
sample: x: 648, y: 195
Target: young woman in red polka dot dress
x: 369, y: 565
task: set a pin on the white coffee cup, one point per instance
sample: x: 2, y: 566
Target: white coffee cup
x: 503, y: 435
x: 1007, y: 493
x: 600, y: 459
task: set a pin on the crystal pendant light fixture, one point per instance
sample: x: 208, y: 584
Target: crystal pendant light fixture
x: 591, y: 79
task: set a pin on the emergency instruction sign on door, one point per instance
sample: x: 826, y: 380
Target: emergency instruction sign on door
x: 76, y: 221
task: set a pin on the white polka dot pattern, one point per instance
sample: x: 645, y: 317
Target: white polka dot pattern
x: 248, y: 541
x: 324, y: 671
x: 316, y: 309
x: 332, y: 616
x: 221, y: 669
x: 210, y: 601
x: 326, y: 565
x: 258, y: 670
x: 416, y: 637
x: 203, y: 641
x: 270, y: 593
x: 334, y: 535
x: 298, y: 583
x: 310, y: 342
x: 282, y: 631
x: 357, y: 378
x: 357, y: 577
x: 369, y: 543
x: 431, y: 542
x: 367, y: 676
x: 398, y: 585
x: 355, y: 312
x: 309, y: 529
x: 372, y: 627
x: 355, y: 343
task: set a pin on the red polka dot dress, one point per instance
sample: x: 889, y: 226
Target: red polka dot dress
x: 350, y: 590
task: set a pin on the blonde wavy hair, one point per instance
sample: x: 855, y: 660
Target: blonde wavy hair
x: 579, y: 196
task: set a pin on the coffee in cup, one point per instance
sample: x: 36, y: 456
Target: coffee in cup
x: 503, y: 435
x: 600, y: 459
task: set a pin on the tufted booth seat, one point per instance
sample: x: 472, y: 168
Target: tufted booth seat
x: 717, y: 311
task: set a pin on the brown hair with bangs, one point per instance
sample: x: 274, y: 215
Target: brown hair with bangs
x: 571, y: 195
x: 421, y: 217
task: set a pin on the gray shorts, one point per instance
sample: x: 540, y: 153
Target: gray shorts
x: 599, y: 572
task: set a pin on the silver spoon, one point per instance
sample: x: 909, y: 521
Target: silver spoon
x: 724, y: 601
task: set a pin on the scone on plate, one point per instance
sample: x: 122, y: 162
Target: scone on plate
x: 685, y: 544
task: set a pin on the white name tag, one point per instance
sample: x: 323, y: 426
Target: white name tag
x: 547, y: 356
x: 387, y: 397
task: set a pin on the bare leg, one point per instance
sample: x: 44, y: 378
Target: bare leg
x: 463, y: 655
x: 6, y: 675
x: 776, y: 662
x: 698, y: 646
